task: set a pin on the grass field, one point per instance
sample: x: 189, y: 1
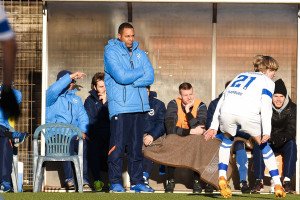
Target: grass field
x: 131, y: 196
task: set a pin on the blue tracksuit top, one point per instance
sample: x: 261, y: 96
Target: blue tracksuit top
x: 64, y: 105
x: 3, y: 117
x: 126, y: 78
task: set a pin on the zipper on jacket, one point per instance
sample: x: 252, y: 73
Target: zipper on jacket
x: 124, y: 94
x: 141, y: 99
x: 70, y: 106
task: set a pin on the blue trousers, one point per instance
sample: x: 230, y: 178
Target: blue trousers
x: 127, y: 131
x: 289, y: 154
x: 147, y: 165
x: 97, y: 154
x: 68, y: 171
x: 6, y: 157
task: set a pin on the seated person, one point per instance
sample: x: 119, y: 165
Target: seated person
x: 154, y: 128
x: 283, y: 138
x: 8, y: 139
x: 99, y: 129
x: 64, y: 106
x: 239, y: 146
x: 185, y: 116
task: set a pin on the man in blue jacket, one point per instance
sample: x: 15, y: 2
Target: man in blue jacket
x: 127, y: 73
x: 64, y: 106
x: 7, y: 140
x: 155, y: 127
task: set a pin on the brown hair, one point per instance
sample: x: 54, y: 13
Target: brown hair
x: 99, y: 76
x: 185, y: 86
x: 262, y: 63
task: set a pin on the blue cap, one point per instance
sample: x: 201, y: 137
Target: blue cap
x: 62, y: 73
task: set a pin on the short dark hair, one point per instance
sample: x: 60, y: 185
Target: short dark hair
x: 99, y: 76
x: 123, y: 26
x: 185, y: 86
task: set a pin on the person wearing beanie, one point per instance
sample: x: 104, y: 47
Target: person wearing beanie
x: 64, y: 106
x: 283, y: 136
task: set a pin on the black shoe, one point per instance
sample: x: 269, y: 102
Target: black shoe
x: 197, y: 189
x: 170, y: 185
x: 258, y: 187
x: 245, y: 187
x: 209, y: 188
x: 288, y: 187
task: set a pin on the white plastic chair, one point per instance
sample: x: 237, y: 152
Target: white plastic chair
x: 57, y: 139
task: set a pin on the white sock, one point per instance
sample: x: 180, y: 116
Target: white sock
x: 270, y: 162
x: 224, y: 155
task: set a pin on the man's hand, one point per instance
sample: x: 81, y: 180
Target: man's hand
x: 102, y: 97
x: 84, y: 136
x: 77, y: 75
x: 210, y: 134
x: 188, y: 106
x: 199, y: 130
x: 148, y: 139
x: 265, y: 138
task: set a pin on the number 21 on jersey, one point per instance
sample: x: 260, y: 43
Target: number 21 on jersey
x: 243, y: 81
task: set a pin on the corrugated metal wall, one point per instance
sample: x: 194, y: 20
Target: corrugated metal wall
x: 26, y: 20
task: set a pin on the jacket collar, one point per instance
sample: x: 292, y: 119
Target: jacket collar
x: 94, y: 94
x: 122, y: 44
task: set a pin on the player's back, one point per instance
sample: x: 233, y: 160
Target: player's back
x: 243, y: 96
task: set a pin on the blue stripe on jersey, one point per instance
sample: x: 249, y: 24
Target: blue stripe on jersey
x: 274, y: 172
x: 223, y: 166
x: 4, y: 26
x: 267, y: 92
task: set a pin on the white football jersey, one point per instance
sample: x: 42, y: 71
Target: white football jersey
x: 248, y: 95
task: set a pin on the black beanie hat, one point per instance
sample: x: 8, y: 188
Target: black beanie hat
x: 280, y: 87
x: 62, y: 73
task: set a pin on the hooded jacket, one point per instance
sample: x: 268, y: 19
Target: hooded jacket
x: 64, y: 106
x: 126, y: 78
x: 283, y: 123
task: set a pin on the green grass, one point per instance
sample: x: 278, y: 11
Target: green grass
x: 131, y: 196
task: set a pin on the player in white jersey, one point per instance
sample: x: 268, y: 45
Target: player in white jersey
x: 247, y: 102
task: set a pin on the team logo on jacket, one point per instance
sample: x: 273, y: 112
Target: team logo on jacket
x: 75, y: 100
x: 138, y: 55
x: 151, y: 112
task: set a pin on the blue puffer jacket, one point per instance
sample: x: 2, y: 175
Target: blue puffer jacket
x: 3, y: 117
x: 63, y: 105
x: 155, y: 118
x: 126, y: 78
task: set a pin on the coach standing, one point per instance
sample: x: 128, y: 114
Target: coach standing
x: 127, y: 73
